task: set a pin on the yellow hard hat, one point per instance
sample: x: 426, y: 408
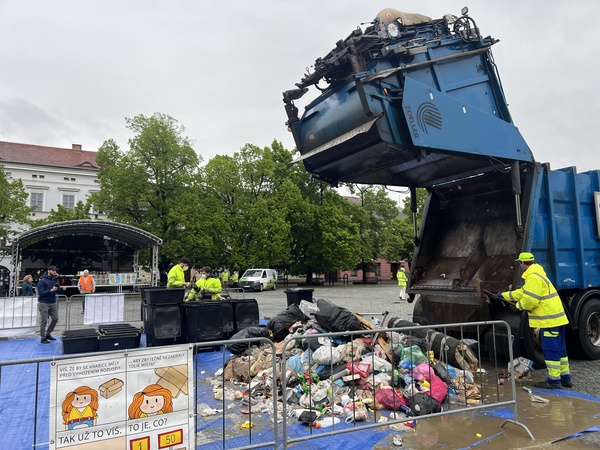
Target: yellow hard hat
x: 526, y: 257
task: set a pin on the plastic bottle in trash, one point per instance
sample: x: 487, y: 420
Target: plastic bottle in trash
x: 340, y: 374
x: 327, y: 422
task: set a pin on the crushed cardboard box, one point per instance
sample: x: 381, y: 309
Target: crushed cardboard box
x: 173, y: 378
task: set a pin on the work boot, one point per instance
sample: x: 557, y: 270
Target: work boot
x: 45, y: 341
x: 50, y: 338
x: 566, y: 382
x: 546, y: 385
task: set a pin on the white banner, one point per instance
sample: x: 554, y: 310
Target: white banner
x: 104, y: 308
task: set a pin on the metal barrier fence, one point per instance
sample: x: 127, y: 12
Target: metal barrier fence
x: 75, y: 316
x: 245, y: 411
x: 18, y: 315
x: 18, y: 312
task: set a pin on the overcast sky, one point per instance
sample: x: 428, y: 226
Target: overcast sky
x: 72, y: 70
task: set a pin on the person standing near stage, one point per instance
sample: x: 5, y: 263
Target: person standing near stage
x: 26, y: 286
x: 86, y: 285
x: 48, y: 290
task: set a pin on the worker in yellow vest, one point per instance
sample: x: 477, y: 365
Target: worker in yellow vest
x: 402, y: 282
x: 545, y: 310
x: 206, y: 287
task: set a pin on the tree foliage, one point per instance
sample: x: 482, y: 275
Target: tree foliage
x: 13, y: 205
x: 373, y: 215
x: 251, y: 209
x: 154, y: 184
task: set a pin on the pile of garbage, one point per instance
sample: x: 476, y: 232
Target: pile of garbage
x: 361, y: 371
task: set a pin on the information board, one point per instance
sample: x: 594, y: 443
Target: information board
x: 142, y: 400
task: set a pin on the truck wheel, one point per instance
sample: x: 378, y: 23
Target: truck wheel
x: 589, y: 329
x: 533, y: 346
x: 274, y: 286
x: 261, y: 287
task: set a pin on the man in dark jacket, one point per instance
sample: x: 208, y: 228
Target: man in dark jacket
x: 48, y: 289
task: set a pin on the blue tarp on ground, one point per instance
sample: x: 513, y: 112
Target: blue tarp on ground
x: 19, y: 398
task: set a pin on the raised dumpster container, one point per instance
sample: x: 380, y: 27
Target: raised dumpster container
x: 296, y: 295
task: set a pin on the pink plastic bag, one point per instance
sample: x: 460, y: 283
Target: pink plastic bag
x: 437, y: 387
x: 392, y: 399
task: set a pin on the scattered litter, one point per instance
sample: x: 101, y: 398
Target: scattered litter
x: 535, y: 398
x: 247, y: 424
x: 398, y: 441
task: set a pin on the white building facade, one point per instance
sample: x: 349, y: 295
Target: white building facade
x: 51, y: 176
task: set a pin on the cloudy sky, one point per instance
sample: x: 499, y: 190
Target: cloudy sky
x: 72, y: 70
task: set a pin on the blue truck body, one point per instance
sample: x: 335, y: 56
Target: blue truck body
x: 417, y: 102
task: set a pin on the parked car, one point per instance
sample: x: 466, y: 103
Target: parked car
x: 258, y: 279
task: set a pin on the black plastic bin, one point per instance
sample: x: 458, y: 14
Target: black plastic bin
x: 296, y: 295
x: 160, y: 296
x: 228, y: 312
x: 203, y: 321
x: 246, y: 313
x: 80, y: 341
x: 162, y: 324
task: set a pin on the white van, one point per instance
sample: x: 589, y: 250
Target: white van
x: 258, y: 279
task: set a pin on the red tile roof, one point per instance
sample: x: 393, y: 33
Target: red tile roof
x: 72, y: 158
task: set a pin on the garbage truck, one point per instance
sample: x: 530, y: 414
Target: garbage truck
x: 408, y: 100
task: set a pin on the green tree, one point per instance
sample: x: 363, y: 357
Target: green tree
x: 268, y: 214
x: 155, y: 184
x: 13, y: 205
x: 249, y: 223
x: 400, y: 242
x: 373, y: 215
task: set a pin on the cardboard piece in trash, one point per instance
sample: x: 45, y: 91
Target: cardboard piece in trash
x: 173, y: 378
x: 110, y: 388
x: 521, y: 366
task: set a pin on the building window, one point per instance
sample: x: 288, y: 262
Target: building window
x: 36, y: 199
x: 68, y: 201
x: 69, y: 179
x: 377, y: 269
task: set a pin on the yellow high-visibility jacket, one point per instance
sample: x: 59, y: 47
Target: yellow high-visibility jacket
x: 539, y: 298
